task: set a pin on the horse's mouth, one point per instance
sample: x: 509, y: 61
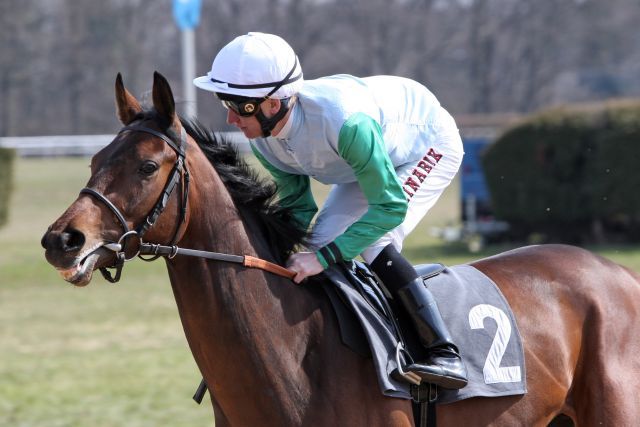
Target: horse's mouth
x: 80, y: 273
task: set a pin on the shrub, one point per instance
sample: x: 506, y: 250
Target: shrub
x: 7, y: 157
x: 569, y: 173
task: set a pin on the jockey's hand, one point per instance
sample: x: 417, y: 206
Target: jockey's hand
x: 305, y: 264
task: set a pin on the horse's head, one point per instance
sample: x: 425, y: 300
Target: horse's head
x: 134, y: 179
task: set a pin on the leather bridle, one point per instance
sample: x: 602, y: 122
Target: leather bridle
x: 179, y: 174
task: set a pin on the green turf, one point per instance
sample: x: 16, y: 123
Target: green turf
x: 115, y: 355
x: 105, y: 355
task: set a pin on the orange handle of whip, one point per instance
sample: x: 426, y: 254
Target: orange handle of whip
x: 253, y: 262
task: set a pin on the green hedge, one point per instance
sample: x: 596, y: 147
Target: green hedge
x: 570, y: 173
x: 7, y: 157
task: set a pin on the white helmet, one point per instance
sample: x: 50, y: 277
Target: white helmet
x: 254, y: 65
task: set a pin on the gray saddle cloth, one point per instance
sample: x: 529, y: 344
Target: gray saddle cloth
x: 477, y: 314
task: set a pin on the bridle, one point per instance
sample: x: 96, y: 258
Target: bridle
x: 179, y: 174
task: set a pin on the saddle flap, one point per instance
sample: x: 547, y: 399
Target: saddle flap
x: 472, y: 306
x: 427, y: 271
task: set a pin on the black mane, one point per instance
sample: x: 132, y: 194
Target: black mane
x: 254, y: 197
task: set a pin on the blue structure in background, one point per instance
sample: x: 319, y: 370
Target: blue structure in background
x: 475, y: 199
x: 187, y: 13
x: 473, y: 186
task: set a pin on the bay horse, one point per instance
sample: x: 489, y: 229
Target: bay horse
x: 270, y: 350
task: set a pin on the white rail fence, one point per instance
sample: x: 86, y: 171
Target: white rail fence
x: 81, y: 145
x: 473, y: 126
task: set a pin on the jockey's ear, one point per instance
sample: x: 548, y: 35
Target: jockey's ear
x: 273, y: 106
x: 163, y: 100
x: 127, y: 106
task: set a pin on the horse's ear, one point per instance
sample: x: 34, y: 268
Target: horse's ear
x: 127, y: 106
x: 163, y: 98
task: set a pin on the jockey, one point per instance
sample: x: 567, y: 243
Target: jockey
x: 385, y: 144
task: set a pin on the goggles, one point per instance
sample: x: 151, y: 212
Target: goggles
x: 242, y: 106
x: 246, y: 106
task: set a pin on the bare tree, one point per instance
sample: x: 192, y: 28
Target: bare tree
x: 59, y: 58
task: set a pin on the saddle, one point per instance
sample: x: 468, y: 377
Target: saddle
x: 475, y: 311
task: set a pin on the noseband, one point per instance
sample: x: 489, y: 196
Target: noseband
x: 178, y: 174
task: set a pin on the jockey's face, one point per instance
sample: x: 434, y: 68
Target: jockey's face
x: 250, y: 126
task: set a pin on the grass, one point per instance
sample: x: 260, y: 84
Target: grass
x: 105, y: 355
x: 115, y: 355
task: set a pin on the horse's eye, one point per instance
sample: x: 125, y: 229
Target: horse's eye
x: 148, y: 167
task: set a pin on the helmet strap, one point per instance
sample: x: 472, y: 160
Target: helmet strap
x: 268, y: 123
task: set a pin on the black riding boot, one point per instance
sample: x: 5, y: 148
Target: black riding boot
x: 443, y: 365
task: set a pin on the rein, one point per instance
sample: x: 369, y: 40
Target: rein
x: 246, y: 260
x: 179, y: 174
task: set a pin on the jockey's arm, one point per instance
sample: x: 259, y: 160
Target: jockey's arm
x: 361, y: 144
x: 294, y: 191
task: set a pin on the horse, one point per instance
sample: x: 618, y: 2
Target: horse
x: 268, y: 349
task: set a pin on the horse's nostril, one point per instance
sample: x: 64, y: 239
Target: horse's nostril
x: 44, y: 242
x: 71, y: 240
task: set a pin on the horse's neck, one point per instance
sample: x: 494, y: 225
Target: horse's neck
x: 246, y: 328
x: 221, y: 289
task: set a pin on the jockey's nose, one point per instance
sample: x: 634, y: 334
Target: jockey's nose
x: 232, y: 117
